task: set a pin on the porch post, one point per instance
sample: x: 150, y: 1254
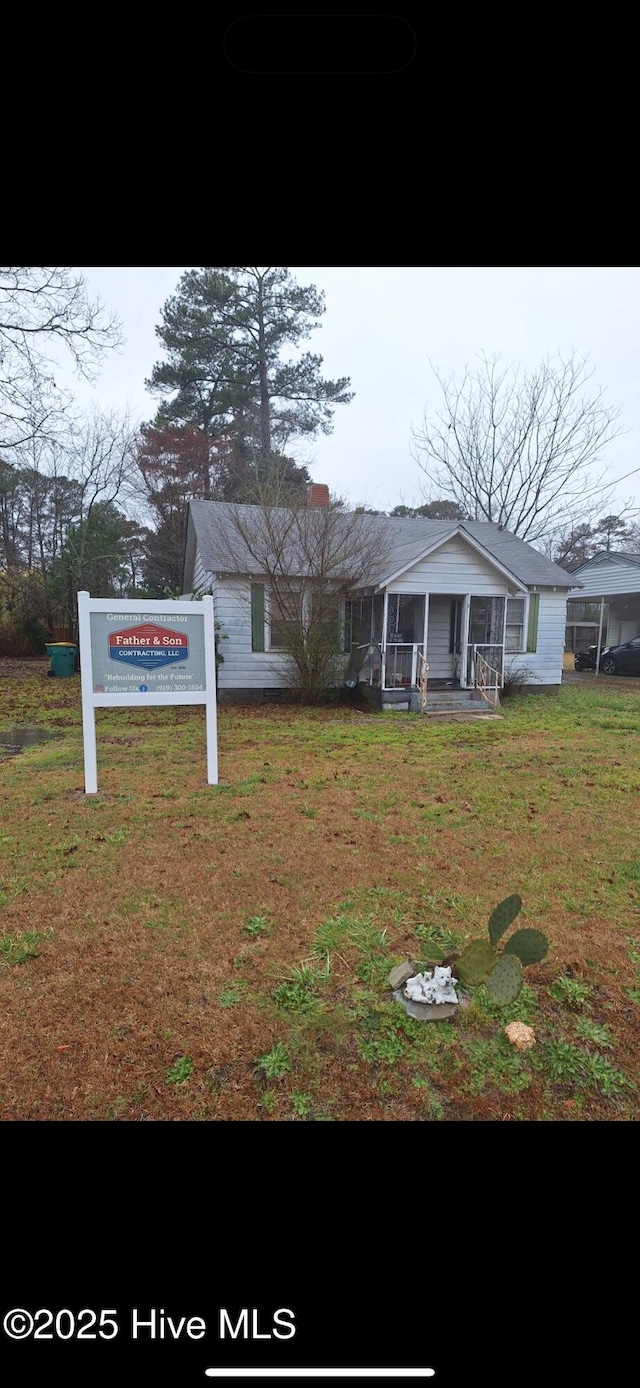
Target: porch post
x: 464, y: 637
x: 426, y: 625
x: 385, y: 618
x: 504, y: 640
x: 600, y: 637
x: 373, y: 594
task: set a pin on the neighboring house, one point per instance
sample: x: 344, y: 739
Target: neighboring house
x: 609, y: 587
x: 459, y: 590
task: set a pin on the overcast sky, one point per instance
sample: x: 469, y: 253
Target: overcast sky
x: 382, y: 326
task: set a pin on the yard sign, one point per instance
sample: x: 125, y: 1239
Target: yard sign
x: 145, y: 653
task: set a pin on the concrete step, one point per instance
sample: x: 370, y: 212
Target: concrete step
x: 457, y: 703
x: 473, y: 707
x: 451, y: 699
x: 462, y: 715
x: 453, y: 696
x: 461, y: 704
x: 450, y: 693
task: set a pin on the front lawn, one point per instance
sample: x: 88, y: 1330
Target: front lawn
x: 172, y: 950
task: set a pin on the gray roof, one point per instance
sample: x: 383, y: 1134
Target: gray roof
x: 408, y: 539
x: 616, y: 556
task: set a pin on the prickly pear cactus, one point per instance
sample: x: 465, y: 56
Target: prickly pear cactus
x: 505, y: 982
x: 502, y: 916
x: 431, y: 952
x: 530, y: 946
x: 475, y: 962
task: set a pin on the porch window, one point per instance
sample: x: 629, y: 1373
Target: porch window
x: 357, y: 622
x: 285, y: 618
x: 514, y: 637
x: 405, y: 619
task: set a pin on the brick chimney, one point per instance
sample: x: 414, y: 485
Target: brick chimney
x: 318, y: 494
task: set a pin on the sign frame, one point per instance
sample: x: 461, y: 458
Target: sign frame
x: 91, y: 700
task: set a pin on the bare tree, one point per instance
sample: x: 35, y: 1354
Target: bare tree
x: 573, y: 543
x: 310, y: 559
x: 44, y: 308
x: 98, y: 459
x: 517, y: 447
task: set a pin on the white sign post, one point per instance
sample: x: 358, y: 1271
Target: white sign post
x: 148, y: 652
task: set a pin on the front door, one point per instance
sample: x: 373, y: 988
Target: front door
x: 486, y: 634
x: 444, y: 637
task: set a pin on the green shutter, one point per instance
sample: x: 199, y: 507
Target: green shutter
x: 257, y: 616
x: 532, y: 629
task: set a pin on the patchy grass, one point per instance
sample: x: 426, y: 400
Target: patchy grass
x: 181, y: 1070
x: 258, y: 925
x: 14, y: 949
x: 274, y: 1064
x: 222, y: 952
x: 571, y: 992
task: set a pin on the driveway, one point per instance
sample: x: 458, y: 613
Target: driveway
x: 590, y: 677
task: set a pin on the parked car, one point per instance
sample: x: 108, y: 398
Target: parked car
x: 586, y: 660
x: 621, y: 660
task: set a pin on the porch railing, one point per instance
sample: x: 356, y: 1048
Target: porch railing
x: 492, y: 653
x: 423, y: 675
x: 400, y: 665
x: 487, y: 680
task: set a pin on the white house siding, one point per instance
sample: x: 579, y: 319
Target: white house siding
x: 545, y: 663
x: 606, y: 578
x: 439, y: 657
x: 624, y: 620
x: 453, y: 568
x: 619, y: 632
x: 462, y: 571
x: 243, y: 668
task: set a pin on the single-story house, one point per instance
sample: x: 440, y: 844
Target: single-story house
x: 609, y: 593
x: 466, y: 595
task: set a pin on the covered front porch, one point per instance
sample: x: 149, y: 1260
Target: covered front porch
x: 403, y: 645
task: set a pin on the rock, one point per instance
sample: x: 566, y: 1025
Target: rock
x: 400, y: 974
x: 426, y: 1011
x: 520, y: 1036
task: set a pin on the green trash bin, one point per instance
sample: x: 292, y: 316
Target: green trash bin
x: 62, y: 655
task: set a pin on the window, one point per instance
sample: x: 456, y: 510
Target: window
x: 285, y: 618
x: 514, y: 637
x: 257, y: 616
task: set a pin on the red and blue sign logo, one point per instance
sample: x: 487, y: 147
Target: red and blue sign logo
x: 148, y: 647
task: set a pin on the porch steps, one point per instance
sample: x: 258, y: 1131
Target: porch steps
x: 447, y: 702
x: 463, y: 715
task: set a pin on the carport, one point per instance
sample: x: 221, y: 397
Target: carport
x: 609, y: 587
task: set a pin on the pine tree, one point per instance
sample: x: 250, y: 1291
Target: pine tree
x: 224, y: 332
